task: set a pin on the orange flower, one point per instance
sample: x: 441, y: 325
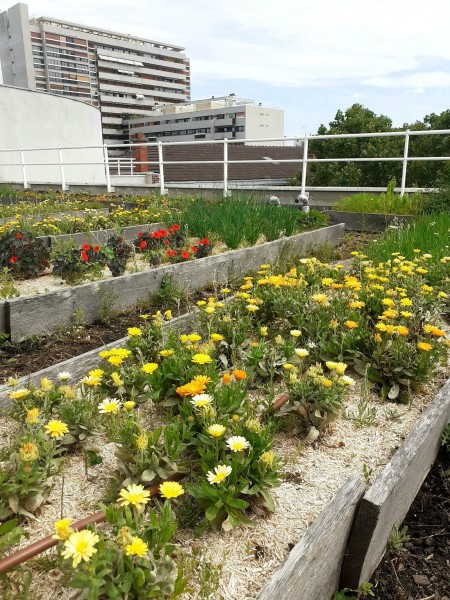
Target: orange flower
x: 226, y: 378
x: 351, y: 324
x: 239, y: 375
x: 192, y: 388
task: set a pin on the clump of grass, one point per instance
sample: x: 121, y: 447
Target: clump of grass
x: 387, y: 202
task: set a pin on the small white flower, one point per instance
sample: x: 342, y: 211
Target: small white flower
x: 237, y: 443
x: 64, y: 376
x: 109, y: 405
x: 311, y: 345
x: 201, y: 400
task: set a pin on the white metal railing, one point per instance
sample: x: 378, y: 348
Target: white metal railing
x: 126, y: 166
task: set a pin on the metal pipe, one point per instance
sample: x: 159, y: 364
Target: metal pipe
x: 225, y: 168
x: 405, y: 162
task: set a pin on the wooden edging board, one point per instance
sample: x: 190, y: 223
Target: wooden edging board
x: 313, y: 567
x: 44, y: 313
x: 78, y: 366
x: 388, y: 500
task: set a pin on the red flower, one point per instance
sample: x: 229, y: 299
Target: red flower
x: 142, y: 245
x: 84, y: 256
x: 205, y: 241
x: 156, y: 235
x: 85, y: 247
x: 194, y: 248
x: 185, y: 254
x: 140, y: 234
x: 176, y: 227
x: 96, y: 248
x: 162, y: 233
x: 19, y: 236
x: 171, y: 253
x: 13, y: 259
x: 166, y: 241
x: 170, y: 230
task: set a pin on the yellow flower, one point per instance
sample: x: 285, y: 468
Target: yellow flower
x: 225, y: 290
x: 142, y: 441
x: 402, y: 330
x: 12, y: 381
x: 263, y: 331
x: 149, y: 368
x: 46, y: 384
x: 32, y: 417
x: 320, y: 298
x: 216, y: 337
x: 29, y: 452
x: 388, y: 302
x: 62, y: 529
x: 267, y: 458
x: 424, y: 346
x: 201, y: 303
x: 171, y: 489
x: 356, y: 304
x: 166, y: 353
x: 134, y: 331
x: 80, y: 546
x: 288, y: 366
x: 252, y: 307
x: 201, y: 359
x: 237, y: 443
x: 326, y: 382
x: 135, y: 495
x: 219, y: 474
x: 405, y: 302
x: 115, y: 360
x: 295, y: 333
x: 129, y: 405
x: 301, y: 352
x: 346, y: 380
x: 117, y: 382
x: 216, y: 430
x: 19, y: 394
x: 194, y: 337
x: 209, y: 310
x: 56, y: 429
x: 351, y: 324
x: 137, y: 547
x: 109, y: 405
x: 202, y: 379
x: 168, y: 315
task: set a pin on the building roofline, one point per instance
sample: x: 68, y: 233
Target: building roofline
x: 106, y: 32
x: 60, y: 96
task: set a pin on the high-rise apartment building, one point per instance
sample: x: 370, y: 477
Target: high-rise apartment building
x: 121, y: 74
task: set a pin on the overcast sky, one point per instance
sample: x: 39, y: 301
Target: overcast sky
x: 309, y: 57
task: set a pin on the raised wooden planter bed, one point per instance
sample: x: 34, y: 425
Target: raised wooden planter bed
x: 367, y: 222
x: 99, y: 212
x: 100, y: 236
x: 44, y: 313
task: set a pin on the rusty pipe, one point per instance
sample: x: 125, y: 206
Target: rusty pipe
x: 17, y: 558
x: 21, y: 556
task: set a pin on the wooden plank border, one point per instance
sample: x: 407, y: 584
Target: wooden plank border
x: 388, y: 500
x: 312, y: 569
x: 44, y: 313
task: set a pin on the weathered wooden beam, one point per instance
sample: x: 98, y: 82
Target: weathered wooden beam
x: 389, y: 498
x: 313, y: 567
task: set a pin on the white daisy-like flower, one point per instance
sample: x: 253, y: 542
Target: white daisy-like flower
x: 109, y: 405
x: 201, y: 400
x: 64, y: 376
x: 219, y: 474
x: 237, y: 443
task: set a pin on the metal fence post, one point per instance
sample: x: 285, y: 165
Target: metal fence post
x: 225, y: 168
x: 61, y: 168
x: 118, y: 167
x: 405, y: 162
x: 107, y: 173
x: 161, y: 169
x: 24, y: 170
x: 304, y: 164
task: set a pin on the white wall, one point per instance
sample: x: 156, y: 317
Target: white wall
x: 263, y: 122
x: 31, y: 119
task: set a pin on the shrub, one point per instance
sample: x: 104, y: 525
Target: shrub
x: 120, y: 252
x: 72, y: 263
x: 23, y: 254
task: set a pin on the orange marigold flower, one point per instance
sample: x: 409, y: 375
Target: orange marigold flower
x: 239, y: 375
x: 226, y: 378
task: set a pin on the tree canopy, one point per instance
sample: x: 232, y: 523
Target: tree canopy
x: 359, y: 119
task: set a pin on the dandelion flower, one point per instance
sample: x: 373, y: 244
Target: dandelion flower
x: 216, y: 337
x: 137, y: 547
x: 80, y: 546
x: 135, y: 495
x: 56, y: 429
x: 219, y: 474
x: 237, y: 443
x: 171, y: 489
x: 166, y: 353
x: 134, y: 331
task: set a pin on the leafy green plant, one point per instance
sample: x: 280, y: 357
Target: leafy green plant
x: 398, y: 538
x: 364, y: 590
x: 7, y: 284
x: 73, y: 264
x: 24, y: 254
x: 445, y: 439
x: 119, y: 251
x: 387, y: 202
